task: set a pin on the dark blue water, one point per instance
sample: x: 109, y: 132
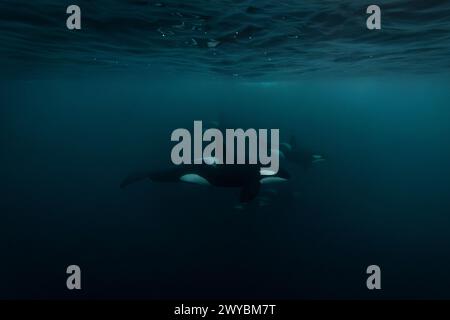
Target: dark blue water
x: 82, y: 109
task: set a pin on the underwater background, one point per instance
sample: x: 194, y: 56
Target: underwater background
x: 79, y: 110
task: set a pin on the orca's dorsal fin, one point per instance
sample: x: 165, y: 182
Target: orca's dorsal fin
x: 249, y: 191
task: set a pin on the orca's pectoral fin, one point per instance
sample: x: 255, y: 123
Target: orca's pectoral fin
x: 249, y: 191
x: 134, y: 177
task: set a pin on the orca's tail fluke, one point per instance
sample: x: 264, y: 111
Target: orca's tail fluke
x: 134, y: 177
x: 169, y: 175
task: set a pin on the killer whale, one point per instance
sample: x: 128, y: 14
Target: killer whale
x: 302, y: 157
x: 246, y: 177
x: 287, y: 150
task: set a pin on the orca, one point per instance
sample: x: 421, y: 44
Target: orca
x: 302, y: 157
x: 289, y: 151
x: 247, y: 177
